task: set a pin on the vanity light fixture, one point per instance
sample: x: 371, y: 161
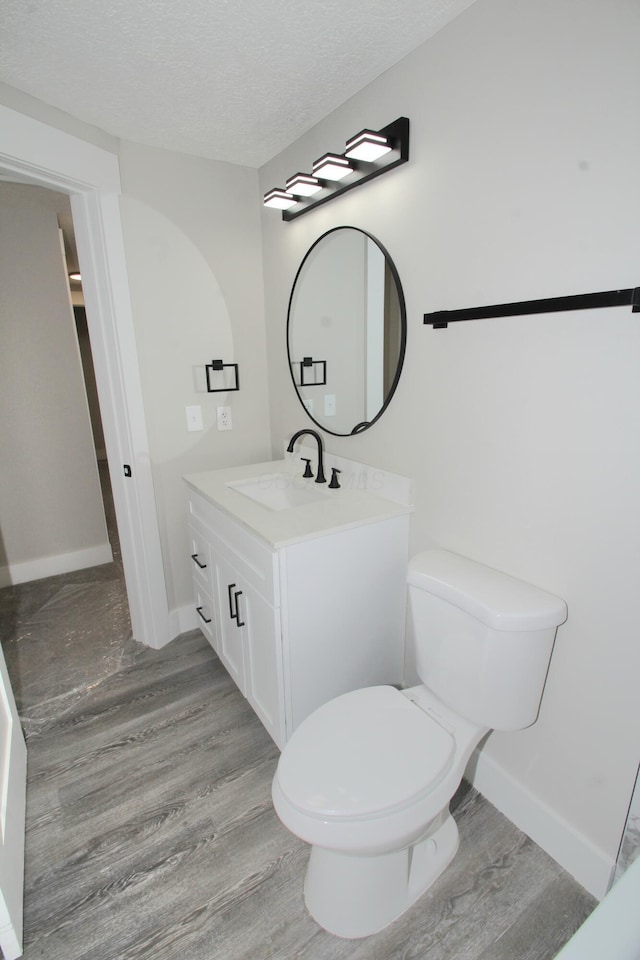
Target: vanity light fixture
x: 279, y: 199
x: 331, y: 167
x: 367, y: 146
x: 75, y: 278
x: 302, y: 185
x: 367, y: 155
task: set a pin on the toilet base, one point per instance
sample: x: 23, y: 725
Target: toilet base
x: 355, y: 896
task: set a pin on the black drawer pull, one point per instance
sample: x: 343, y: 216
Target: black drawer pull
x: 202, y: 616
x: 194, y: 557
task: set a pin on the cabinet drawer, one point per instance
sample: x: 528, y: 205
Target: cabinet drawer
x: 206, y: 616
x: 201, y: 564
x: 254, y: 560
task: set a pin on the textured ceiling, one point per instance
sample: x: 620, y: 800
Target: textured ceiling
x: 235, y: 80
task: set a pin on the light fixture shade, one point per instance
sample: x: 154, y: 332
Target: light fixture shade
x: 279, y: 199
x: 75, y: 278
x: 368, y: 146
x: 302, y: 185
x: 331, y: 167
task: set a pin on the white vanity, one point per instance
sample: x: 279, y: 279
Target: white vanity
x: 300, y: 589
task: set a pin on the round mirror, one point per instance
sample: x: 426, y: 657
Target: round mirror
x: 346, y: 331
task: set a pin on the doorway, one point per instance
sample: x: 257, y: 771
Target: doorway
x: 52, y: 474
x: 32, y: 152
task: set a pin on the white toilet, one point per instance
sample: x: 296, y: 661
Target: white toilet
x: 367, y: 778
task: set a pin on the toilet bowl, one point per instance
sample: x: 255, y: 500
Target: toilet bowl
x: 367, y: 778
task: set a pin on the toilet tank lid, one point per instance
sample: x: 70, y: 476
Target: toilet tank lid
x: 496, y: 599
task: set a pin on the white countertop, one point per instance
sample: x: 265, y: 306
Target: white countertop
x: 350, y: 506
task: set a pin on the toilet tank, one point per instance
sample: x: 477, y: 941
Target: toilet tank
x: 483, y: 638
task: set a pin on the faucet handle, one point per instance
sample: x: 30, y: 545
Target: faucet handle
x: 307, y: 470
x: 334, y: 484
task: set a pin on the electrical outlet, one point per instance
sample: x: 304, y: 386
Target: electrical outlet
x: 224, y: 418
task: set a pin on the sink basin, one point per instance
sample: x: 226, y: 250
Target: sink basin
x: 279, y: 491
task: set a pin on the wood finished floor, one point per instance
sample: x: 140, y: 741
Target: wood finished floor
x: 150, y: 830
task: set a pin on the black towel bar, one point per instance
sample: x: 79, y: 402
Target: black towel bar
x: 583, y: 301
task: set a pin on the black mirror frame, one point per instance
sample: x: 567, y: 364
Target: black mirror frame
x: 366, y: 424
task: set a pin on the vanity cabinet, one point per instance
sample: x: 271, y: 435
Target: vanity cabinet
x: 299, y: 624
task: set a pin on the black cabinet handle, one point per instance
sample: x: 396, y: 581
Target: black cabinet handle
x: 234, y: 616
x: 233, y: 602
x: 194, y: 557
x: 202, y: 616
x: 239, y: 622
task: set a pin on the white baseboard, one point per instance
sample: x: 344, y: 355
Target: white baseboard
x: 568, y: 847
x: 52, y: 566
x: 183, y: 619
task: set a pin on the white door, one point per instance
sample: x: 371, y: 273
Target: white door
x: 13, y: 784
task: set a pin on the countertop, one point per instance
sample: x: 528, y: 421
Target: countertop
x: 350, y: 506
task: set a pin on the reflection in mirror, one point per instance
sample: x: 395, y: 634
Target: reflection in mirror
x: 346, y: 331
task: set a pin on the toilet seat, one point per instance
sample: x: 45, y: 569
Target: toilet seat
x: 366, y: 753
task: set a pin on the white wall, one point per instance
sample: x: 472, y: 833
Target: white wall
x: 521, y: 433
x: 208, y: 215
x: 51, y: 514
x: 192, y: 240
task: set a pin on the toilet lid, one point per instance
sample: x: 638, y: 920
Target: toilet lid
x: 363, y: 753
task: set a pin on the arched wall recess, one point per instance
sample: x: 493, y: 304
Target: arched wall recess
x: 33, y: 152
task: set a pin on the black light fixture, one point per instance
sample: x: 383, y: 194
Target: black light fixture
x: 331, y: 167
x: 368, y: 146
x: 279, y: 199
x: 302, y: 185
x: 367, y: 155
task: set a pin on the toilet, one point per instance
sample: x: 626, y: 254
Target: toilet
x: 367, y: 778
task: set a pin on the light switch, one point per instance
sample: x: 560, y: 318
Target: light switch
x: 194, y: 418
x: 329, y: 404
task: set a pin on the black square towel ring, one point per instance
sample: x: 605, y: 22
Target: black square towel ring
x: 217, y: 380
x: 313, y: 373
x: 583, y: 301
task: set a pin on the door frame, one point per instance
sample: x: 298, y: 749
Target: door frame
x: 33, y: 152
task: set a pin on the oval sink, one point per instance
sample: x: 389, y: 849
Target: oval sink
x: 279, y: 491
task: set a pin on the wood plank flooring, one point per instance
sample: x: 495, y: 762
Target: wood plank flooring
x: 150, y: 829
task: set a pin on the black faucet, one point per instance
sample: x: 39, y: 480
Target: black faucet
x: 320, y: 477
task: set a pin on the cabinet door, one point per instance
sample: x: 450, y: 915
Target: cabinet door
x: 263, y: 661
x: 231, y: 636
x: 249, y: 644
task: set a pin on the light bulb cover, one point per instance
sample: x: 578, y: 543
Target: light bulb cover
x: 75, y: 278
x: 331, y: 167
x: 279, y: 199
x: 368, y: 146
x: 303, y: 185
